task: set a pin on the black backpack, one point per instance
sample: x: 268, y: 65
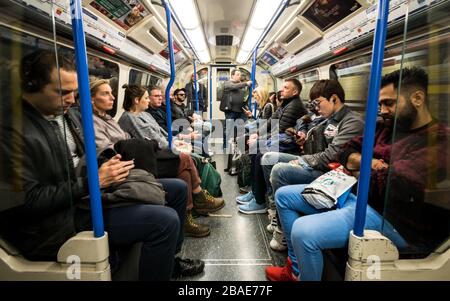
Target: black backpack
x: 224, y: 98
x: 315, y: 140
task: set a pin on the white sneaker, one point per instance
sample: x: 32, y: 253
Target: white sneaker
x: 272, y: 215
x: 278, y: 242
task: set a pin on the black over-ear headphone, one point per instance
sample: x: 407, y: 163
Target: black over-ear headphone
x: 32, y: 77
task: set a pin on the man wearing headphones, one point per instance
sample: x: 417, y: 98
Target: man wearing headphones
x: 41, y: 177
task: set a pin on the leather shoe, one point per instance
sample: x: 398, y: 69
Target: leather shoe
x: 187, y: 267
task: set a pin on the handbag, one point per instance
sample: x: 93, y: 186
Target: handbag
x: 139, y: 187
x: 329, y: 190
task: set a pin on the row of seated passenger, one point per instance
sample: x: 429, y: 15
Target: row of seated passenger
x: 44, y: 173
x: 330, y: 135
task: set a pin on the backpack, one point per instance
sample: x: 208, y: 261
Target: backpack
x: 209, y: 176
x: 220, y: 92
x: 224, y: 98
x: 315, y: 140
x: 243, y: 166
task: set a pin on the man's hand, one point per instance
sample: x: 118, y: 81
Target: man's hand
x: 194, y: 135
x: 252, y: 138
x: 379, y: 164
x: 249, y: 83
x: 196, y: 116
x: 294, y: 162
x: 114, y: 171
x: 300, y: 138
x: 247, y: 112
x: 290, y: 131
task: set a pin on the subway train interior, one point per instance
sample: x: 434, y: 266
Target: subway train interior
x: 101, y: 99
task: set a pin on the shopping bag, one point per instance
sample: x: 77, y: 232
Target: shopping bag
x: 329, y: 190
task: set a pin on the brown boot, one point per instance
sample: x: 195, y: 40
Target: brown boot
x: 205, y: 203
x: 193, y: 229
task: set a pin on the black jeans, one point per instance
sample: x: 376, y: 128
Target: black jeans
x: 232, y: 131
x: 258, y: 182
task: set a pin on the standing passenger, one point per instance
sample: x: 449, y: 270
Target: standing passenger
x: 202, y: 96
x: 232, y: 102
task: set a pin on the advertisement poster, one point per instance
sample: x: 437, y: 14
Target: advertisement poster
x: 165, y: 52
x: 325, y: 13
x: 125, y: 13
x: 278, y: 51
x: 268, y: 59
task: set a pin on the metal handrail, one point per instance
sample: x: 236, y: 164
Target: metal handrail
x: 195, y: 86
x: 86, y: 117
x: 172, y: 73
x: 210, y: 93
x: 371, y: 116
x: 253, y: 83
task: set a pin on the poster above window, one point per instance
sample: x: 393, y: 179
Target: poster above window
x: 326, y: 13
x: 125, y: 13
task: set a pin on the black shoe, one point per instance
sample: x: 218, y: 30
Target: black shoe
x: 187, y: 267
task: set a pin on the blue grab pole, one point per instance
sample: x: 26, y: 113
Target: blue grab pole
x: 253, y: 82
x: 172, y: 73
x: 86, y: 117
x: 371, y: 115
x: 195, y: 86
x: 210, y: 93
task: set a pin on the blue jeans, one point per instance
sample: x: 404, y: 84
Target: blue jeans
x: 268, y: 161
x: 283, y: 174
x: 309, y: 230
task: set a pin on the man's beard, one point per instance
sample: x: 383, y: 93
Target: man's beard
x: 404, y: 120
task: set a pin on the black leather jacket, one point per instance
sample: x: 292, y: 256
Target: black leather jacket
x: 41, y: 184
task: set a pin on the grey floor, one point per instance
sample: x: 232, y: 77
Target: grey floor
x: 238, y: 246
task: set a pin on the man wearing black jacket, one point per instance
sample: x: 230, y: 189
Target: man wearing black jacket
x: 291, y: 110
x: 41, y: 178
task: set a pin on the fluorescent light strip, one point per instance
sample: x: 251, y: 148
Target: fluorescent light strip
x: 263, y: 17
x: 191, y: 27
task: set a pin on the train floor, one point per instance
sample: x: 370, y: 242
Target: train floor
x: 238, y: 247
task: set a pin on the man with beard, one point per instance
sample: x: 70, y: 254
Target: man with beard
x: 413, y: 155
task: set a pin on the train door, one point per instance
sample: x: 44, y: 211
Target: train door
x: 220, y: 74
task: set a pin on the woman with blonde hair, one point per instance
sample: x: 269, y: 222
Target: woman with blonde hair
x: 109, y: 134
x: 266, y: 108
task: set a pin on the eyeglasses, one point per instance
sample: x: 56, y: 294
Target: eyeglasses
x: 316, y: 102
x: 179, y: 94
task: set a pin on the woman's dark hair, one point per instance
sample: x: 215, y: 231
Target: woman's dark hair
x: 131, y: 92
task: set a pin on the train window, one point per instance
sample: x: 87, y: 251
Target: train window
x: 351, y: 73
x: 155, y: 81
x: 144, y: 79
x: 307, y: 79
x: 104, y: 69
x: 417, y: 201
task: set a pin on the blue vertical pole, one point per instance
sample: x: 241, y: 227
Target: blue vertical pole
x: 195, y: 86
x: 210, y: 93
x: 86, y: 117
x: 172, y: 73
x: 253, y: 83
x: 371, y: 115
